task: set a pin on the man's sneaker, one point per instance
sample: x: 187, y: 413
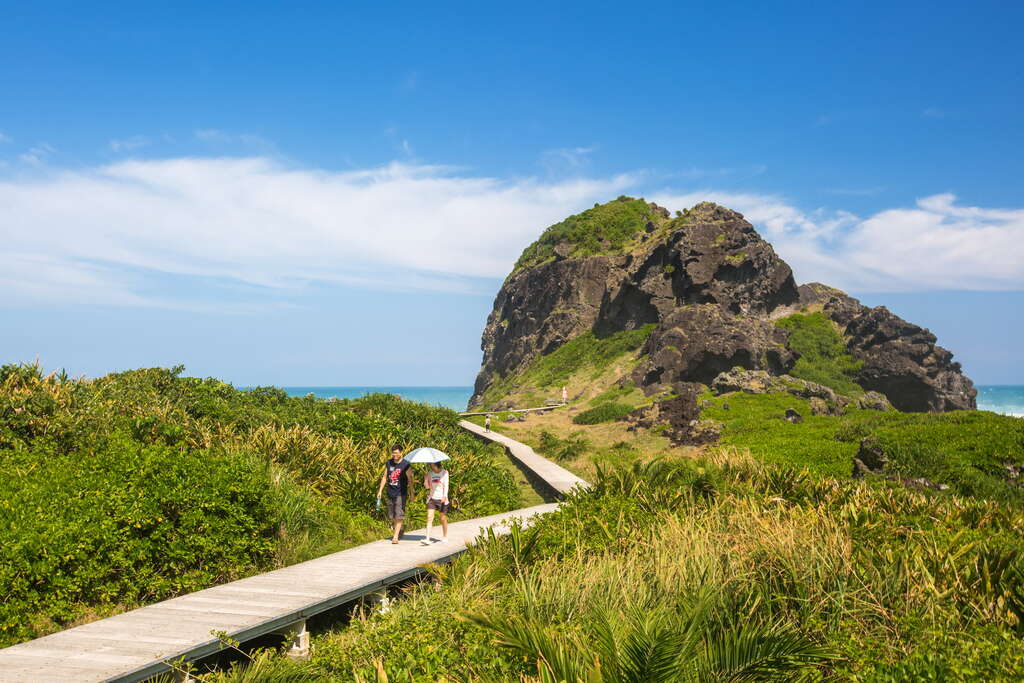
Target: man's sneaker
x: 425, y: 541
x: 442, y: 540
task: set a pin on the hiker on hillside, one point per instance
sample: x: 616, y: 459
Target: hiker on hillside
x: 397, y: 478
x: 487, y: 423
x: 436, y: 482
x: 565, y: 396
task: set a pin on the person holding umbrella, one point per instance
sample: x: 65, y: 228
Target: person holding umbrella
x: 436, y: 482
x: 397, y: 477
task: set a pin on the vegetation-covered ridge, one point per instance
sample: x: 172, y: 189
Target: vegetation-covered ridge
x: 587, y: 360
x: 142, y: 485
x: 612, y: 227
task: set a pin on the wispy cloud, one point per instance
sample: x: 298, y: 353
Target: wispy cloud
x: 933, y: 113
x: 129, y: 144
x: 935, y: 245
x: 256, y: 222
x: 36, y: 154
x: 5, y: 138
x: 119, y: 233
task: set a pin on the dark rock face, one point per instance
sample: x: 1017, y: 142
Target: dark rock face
x: 713, y: 256
x: 697, y: 343
x: 901, y: 360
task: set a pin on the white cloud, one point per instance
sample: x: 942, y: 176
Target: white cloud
x: 37, y: 154
x: 4, y: 138
x: 117, y: 234
x: 938, y: 245
x: 129, y: 144
x: 254, y: 221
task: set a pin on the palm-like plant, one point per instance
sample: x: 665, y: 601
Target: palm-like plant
x: 648, y: 643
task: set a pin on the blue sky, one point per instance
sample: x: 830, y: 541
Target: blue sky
x: 332, y: 194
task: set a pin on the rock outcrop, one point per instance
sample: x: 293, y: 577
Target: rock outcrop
x: 708, y: 255
x: 712, y: 288
x: 900, y: 360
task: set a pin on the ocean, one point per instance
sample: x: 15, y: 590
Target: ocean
x: 455, y: 398
x: 1007, y: 399
x: 999, y: 398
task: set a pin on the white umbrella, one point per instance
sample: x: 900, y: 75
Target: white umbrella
x: 426, y: 455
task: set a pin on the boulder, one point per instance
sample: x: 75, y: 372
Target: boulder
x: 819, y: 406
x: 678, y: 418
x: 873, y: 400
x: 793, y: 416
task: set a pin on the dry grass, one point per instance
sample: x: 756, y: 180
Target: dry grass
x: 602, y: 438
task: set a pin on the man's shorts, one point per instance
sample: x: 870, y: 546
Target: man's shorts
x: 434, y: 504
x: 396, y: 508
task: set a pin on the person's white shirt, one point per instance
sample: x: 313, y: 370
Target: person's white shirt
x: 437, y: 482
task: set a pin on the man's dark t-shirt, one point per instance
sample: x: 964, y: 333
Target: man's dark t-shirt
x: 398, y: 483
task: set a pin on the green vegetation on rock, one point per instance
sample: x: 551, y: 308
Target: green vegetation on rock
x: 605, y: 228
x: 143, y: 485
x: 823, y: 355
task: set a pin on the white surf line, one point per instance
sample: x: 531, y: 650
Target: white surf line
x: 134, y: 645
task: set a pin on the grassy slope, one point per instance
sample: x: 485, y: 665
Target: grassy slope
x: 142, y: 485
x: 586, y: 366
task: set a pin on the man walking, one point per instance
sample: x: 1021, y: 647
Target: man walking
x: 397, y: 476
x: 487, y: 423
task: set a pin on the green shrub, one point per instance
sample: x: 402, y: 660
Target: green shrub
x: 606, y: 412
x: 823, y: 355
x: 605, y: 228
x: 568, y: 448
x: 142, y: 485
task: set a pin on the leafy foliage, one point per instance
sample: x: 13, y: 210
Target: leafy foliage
x: 823, y: 355
x: 774, y: 575
x: 567, y: 448
x: 605, y: 228
x: 967, y: 450
x: 145, y: 484
x: 605, y: 412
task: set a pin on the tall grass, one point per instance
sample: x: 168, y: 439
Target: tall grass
x: 721, y: 569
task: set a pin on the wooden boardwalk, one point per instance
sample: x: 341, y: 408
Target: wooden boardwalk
x: 134, y: 645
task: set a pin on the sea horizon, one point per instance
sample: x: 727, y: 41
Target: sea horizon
x: 1005, y: 399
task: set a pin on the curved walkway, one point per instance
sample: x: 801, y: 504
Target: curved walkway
x: 134, y: 645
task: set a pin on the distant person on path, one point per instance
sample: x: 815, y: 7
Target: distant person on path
x: 397, y: 478
x: 436, y: 482
x: 487, y: 423
x: 565, y: 396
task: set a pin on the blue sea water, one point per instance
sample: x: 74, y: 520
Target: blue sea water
x: 1002, y: 398
x: 1005, y: 399
x: 455, y: 398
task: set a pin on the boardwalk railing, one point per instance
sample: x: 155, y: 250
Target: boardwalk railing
x: 136, y: 645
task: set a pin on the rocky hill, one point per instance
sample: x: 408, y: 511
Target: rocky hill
x: 666, y: 300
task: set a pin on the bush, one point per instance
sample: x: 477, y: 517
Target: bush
x: 142, y: 485
x: 569, y: 448
x: 823, y: 355
x: 605, y: 412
